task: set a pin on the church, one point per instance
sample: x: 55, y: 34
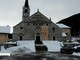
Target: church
x: 36, y: 26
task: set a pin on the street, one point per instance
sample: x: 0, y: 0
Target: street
x: 41, y: 56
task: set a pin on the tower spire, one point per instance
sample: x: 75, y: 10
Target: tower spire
x: 26, y: 3
x: 26, y: 10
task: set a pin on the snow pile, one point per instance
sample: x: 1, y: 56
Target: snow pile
x: 77, y: 54
x: 53, y: 46
x: 27, y: 44
x: 75, y: 38
x: 4, y: 54
x: 18, y: 49
x: 21, y: 50
x: 23, y: 47
x: 10, y: 43
x: 3, y: 50
x: 15, y: 50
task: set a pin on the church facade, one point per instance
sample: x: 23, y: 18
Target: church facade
x: 36, y: 26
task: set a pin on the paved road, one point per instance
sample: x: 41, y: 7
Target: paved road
x: 41, y: 56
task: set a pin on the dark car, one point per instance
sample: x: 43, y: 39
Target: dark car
x: 67, y: 50
x: 77, y: 49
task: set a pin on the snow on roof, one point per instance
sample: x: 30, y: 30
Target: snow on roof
x: 4, y: 29
x: 63, y: 26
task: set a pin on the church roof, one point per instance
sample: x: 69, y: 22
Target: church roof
x: 38, y: 17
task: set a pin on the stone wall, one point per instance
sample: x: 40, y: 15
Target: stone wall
x: 29, y: 31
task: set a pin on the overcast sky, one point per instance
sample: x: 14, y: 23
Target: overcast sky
x: 11, y: 10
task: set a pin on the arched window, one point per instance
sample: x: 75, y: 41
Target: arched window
x: 21, y: 27
x: 28, y: 24
x: 53, y: 28
x: 47, y: 24
x: 33, y: 24
x: 36, y: 24
x: 39, y: 23
x: 53, y: 37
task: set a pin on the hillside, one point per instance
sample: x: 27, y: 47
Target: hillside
x: 74, y: 23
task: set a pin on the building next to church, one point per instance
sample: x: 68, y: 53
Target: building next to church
x: 36, y: 26
x: 66, y: 31
x: 4, y: 31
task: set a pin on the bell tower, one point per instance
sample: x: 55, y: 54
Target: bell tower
x: 26, y: 10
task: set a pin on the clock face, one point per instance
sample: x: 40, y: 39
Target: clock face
x: 26, y: 14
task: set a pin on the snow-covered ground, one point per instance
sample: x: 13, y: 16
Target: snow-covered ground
x: 21, y: 44
x: 29, y: 46
x: 53, y: 46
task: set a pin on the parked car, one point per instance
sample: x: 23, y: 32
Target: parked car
x: 77, y: 49
x: 67, y: 49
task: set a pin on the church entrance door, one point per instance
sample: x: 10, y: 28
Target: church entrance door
x: 37, y: 38
x: 20, y: 37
